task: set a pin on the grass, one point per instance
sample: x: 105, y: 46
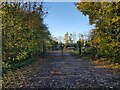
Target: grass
x: 83, y: 55
x: 75, y: 53
x: 105, y: 63
x: 101, y: 62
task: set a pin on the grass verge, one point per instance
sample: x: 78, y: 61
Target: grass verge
x: 101, y: 62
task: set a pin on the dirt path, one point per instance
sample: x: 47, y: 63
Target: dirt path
x: 68, y: 72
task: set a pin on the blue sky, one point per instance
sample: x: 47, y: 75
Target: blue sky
x: 64, y: 17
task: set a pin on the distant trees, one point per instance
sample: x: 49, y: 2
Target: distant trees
x: 69, y: 39
x: 105, y: 38
x: 79, y: 46
x: 66, y: 38
x: 81, y: 39
x: 53, y: 43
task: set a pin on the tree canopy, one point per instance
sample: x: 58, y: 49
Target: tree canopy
x: 106, y: 17
x: 24, y: 33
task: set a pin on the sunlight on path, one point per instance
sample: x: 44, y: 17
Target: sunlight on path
x: 68, y: 72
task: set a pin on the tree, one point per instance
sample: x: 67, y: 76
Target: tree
x: 74, y: 37
x: 81, y: 39
x: 71, y: 39
x: 105, y: 16
x: 24, y: 33
x: 79, y: 46
x: 66, y: 38
x: 54, y: 43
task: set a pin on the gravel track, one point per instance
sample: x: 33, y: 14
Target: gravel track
x: 65, y: 71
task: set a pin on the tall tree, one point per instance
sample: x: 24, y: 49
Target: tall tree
x: 71, y: 38
x: 24, y: 33
x: 66, y: 38
x: 106, y: 17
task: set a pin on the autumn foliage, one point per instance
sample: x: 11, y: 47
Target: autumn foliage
x: 24, y: 33
x: 105, y: 38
